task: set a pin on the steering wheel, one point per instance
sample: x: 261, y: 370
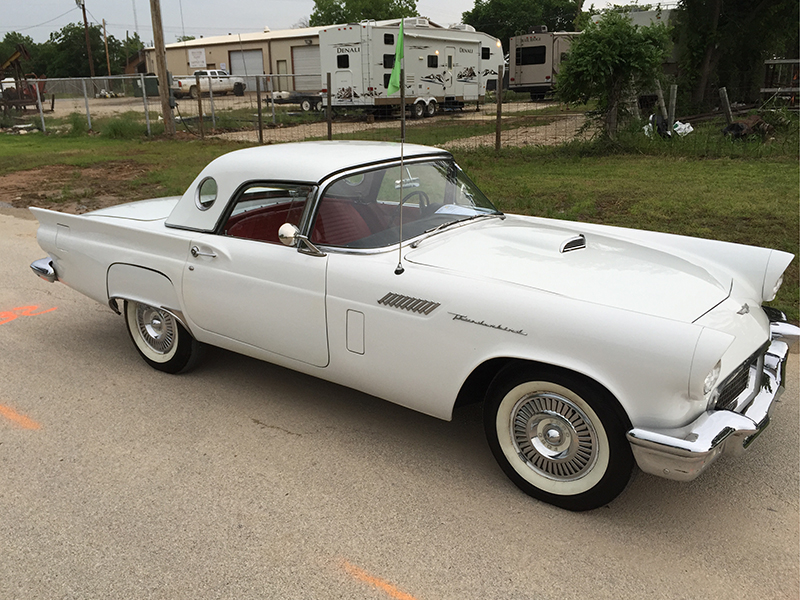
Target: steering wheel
x: 424, y: 203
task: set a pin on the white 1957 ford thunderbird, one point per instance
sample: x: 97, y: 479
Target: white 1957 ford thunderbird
x: 593, y: 348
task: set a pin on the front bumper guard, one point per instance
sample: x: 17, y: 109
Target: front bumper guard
x: 684, y: 453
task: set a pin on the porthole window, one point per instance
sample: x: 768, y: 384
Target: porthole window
x: 206, y: 193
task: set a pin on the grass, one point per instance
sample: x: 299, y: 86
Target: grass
x: 703, y: 185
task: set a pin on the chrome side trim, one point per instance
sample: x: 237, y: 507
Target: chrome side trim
x: 416, y: 305
x: 684, y: 453
x: 44, y: 269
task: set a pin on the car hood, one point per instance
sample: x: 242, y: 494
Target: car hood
x: 608, y: 270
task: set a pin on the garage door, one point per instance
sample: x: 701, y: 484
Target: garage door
x: 247, y: 63
x: 306, y: 67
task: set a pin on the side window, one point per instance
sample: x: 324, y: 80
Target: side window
x: 486, y: 53
x: 433, y: 61
x: 343, y: 61
x: 388, y: 61
x: 533, y: 55
x: 386, y: 78
x: 388, y: 39
x: 261, y: 208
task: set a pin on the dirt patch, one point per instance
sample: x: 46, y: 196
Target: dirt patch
x: 76, y: 190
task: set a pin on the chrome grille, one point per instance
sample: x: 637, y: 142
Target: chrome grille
x: 736, y: 383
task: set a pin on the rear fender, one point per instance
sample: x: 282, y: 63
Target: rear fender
x: 139, y: 284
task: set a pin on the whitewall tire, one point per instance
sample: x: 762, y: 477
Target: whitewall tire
x: 559, y: 437
x: 160, y: 339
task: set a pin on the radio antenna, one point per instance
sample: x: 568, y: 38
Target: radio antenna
x: 397, y: 79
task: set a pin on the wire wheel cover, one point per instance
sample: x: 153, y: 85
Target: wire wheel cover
x: 156, y: 328
x: 553, y: 436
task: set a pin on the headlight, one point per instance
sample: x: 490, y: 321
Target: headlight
x: 711, y: 379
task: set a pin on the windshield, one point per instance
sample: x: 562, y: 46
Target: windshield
x: 364, y: 210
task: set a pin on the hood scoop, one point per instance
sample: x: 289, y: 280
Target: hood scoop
x: 576, y: 243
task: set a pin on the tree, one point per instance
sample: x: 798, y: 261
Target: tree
x: 609, y: 61
x: 506, y: 18
x: 332, y: 12
x: 185, y: 38
x: 725, y: 44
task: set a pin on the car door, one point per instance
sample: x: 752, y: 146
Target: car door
x: 243, y: 284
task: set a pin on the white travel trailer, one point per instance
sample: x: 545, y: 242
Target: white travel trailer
x: 444, y: 68
x: 535, y: 59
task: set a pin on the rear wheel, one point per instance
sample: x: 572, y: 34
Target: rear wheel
x: 305, y: 105
x: 430, y: 109
x: 418, y: 110
x: 238, y: 89
x: 161, y: 341
x: 559, y: 437
x: 193, y: 92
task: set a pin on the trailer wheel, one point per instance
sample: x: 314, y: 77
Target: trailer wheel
x: 320, y: 106
x: 418, y: 110
x: 430, y: 109
x: 238, y: 89
x: 305, y: 105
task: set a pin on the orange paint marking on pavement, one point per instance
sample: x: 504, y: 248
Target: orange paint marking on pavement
x: 380, y: 584
x: 6, y: 316
x: 15, y: 417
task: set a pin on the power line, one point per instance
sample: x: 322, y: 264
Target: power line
x: 40, y: 24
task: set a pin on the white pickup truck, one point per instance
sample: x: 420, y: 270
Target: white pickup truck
x: 220, y: 82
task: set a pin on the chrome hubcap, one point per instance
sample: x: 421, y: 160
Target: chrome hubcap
x: 553, y: 436
x: 156, y: 328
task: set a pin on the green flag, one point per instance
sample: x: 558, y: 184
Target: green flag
x: 394, y: 80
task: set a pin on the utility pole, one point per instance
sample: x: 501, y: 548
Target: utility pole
x: 105, y: 40
x: 82, y: 4
x: 161, y: 68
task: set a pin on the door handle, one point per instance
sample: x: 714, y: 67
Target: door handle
x: 196, y: 252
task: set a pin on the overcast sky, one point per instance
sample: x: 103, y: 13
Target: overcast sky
x: 38, y: 18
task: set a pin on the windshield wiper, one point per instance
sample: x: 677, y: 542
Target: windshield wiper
x: 434, y: 230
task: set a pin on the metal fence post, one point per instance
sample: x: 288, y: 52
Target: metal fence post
x: 144, y: 101
x: 211, y: 100
x: 39, y: 105
x: 86, y: 101
x: 260, y: 117
x: 673, y: 99
x: 199, y: 106
x: 329, y: 111
x: 499, y: 91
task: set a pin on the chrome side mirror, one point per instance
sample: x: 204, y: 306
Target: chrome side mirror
x: 288, y: 234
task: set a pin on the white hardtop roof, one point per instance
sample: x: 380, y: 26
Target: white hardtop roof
x: 305, y: 162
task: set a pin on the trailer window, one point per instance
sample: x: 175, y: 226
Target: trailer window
x: 388, y: 39
x: 343, y: 61
x: 433, y: 61
x: 533, y: 55
x: 388, y: 61
x: 486, y: 53
x: 386, y: 78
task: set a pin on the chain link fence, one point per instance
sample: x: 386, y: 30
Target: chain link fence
x: 257, y: 115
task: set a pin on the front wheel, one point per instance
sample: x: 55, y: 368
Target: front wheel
x: 559, y: 437
x: 418, y: 110
x: 161, y: 341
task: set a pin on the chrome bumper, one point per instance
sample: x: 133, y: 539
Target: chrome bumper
x: 682, y: 454
x: 44, y: 269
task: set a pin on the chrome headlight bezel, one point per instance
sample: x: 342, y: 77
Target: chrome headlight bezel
x: 709, y: 385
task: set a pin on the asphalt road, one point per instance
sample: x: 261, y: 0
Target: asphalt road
x: 244, y: 480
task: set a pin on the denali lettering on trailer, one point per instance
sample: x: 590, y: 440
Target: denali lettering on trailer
x: 467, y: 50
x: 348, y: 49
